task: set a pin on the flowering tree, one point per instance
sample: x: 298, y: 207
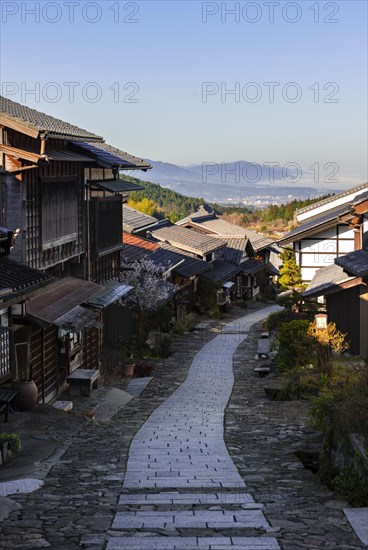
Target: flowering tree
x: 150, y: 292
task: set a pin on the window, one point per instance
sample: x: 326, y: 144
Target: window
x: 75, y: 342
x: 108, y: 222
x: 59, y: 211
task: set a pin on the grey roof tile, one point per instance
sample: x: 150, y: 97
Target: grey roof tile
x: 111, y: 156
x: 316, y: 222
x: 223, y: 228
x: 116, y: 186
x: 17, y: 279
x: 133, y: 219
x: 42, y: 122
x: 251, y: 267
x: 222, y: 271
x: 328, y: 216
x: 326, y: 279
x: 355, y: 263
x: 191, y: 266
x: 361, y: 187
x: 188, y: 239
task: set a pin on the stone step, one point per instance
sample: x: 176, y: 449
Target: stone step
x: 220, y: 498
x: 193, y: 519
x: 64, y: 406
x: 192, y: 543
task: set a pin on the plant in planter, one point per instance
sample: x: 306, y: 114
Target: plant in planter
x: 128, y: 369
x: 10, y: 445
x: 143, y: 368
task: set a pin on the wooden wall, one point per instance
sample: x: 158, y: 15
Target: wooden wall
x: 343, y: 309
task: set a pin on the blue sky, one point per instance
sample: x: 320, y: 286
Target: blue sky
x: 154, y: 77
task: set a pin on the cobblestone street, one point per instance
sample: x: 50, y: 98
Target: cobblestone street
x: 190, y: 463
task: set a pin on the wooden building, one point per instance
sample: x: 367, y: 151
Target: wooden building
x: 344, y: 287
x: 328, y: 230
x: 60, y: 186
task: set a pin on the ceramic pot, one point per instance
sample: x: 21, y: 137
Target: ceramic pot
x: 128, y: 370
x: 27, y: 396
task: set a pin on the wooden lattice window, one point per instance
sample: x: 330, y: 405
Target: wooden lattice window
x: 59, y: 211
x: 107, y: 224
x: 4, y: 353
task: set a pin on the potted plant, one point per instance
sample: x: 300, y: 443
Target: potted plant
x: 10, y: 445
x: 128, y: 369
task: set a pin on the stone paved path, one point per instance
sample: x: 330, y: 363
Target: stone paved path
x: 180, y: 477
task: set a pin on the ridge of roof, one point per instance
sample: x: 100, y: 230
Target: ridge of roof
x: 42, y: 122
x: 331, y: 199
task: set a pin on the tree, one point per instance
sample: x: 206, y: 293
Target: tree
x: 290, y: 274
x: 150, y: 290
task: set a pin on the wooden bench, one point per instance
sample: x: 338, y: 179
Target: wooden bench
x: 6, y: 402
x: 263, y: 349
x: 82, y: 381
x: 262, y: 371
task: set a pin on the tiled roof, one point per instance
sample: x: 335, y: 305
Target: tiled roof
x: 60, y: 303
x: 17, y: 279
x: 134, y: 248
x: 42, y: 122
x: 191, y: 266
x: 203, y: 212
x: 133, y: 219
x: 326, y: 279
x: 234, y: 250
x: 166, y: 258
x: 111, y: 156
x: 361, y: 187
x: 222, y: 271
x: 258, y: 241
x: 116, y: 186
x: 224, y: 229
x: 355, y: 263
x: 110, y: 292
x: 251, y: 267
x: 188, y: 239
x: 221, y: 227
x: 317, y: 222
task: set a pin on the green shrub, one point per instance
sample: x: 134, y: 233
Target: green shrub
x: 163, y: 345
x: 274, y: 320
x: 342, y: 407
x: 295, y: 347
x: 14, y: 443
x: 352, y: 486
x: 300, y: 382
x: 207, y: 294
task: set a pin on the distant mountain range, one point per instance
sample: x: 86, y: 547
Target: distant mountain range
x: 239, y: 182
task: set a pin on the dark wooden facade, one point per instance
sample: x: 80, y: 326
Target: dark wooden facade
x: 64, y: 232
x: 348, y: 308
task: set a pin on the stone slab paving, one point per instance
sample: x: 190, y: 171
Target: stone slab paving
x: 193, y: 543
x: 137, y: 385
x: 262, y: 437
x: 113, y: 401
x: 171, y: 497
x: 82, y: 490
x: 358, y: 519
x: 181, y: 446
x: 190, y: 423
